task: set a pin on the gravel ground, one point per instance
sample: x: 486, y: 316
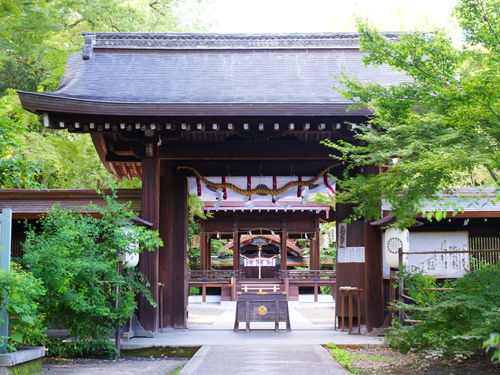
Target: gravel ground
x: 204, y: 316
x: 130, y: 365
x: 383, y: 360
x: 318, y: 315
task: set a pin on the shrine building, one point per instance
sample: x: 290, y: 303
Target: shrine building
x: 237, y: 120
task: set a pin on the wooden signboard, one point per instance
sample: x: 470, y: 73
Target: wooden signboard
x: 262, y: 307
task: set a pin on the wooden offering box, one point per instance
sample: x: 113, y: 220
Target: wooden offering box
x: 262, y: 307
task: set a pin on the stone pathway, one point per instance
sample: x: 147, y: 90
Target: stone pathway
x: 262, y: 359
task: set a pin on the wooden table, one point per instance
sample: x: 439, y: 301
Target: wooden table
x: 350, y: 292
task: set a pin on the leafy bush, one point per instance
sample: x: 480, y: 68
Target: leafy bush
x: 19, y: 291
x: 76, y: 256
x: 458, y: 322
x: 493, y: 344
x: 194, y: 291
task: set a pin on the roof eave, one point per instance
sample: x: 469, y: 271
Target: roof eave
x: 41, y: 102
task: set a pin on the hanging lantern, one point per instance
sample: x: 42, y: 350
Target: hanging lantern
x: 131, y: 260
x: 131, y: 257
x: 195, y: 241
x: 325, y: 240
x: 395, y: 240
x: 333, y: 235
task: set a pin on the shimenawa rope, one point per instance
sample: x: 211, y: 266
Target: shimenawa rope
x: 258, y: 190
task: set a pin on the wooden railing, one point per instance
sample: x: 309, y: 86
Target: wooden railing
x: 214, y: 278
x: 214, y: 275
x: 309, y: 275
x: 314, y: 278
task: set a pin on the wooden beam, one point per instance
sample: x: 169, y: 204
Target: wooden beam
x: 148, y: 264
x: 236, y: 250
x: 374, y: 290
x: 314, y: 261
x: 203, y: 249
x: 260, y: 168
x: 284, y: 252
x: 244, y: 150
x: 350, y: 274
x: 173, y: 255
x: 208, y: 253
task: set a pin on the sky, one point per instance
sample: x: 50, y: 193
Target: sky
x: 285, y: 16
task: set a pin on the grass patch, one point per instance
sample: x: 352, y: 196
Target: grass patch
x: 343, y: 358
x: 176, y: 371
x: 372, y: 358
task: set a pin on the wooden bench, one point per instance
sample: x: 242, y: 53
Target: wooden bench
x: 262, y: 307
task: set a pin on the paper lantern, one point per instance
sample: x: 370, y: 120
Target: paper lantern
x: 325, y: 241
x: 131, y: 260
x: 395, y: 240
x: 131, y: 257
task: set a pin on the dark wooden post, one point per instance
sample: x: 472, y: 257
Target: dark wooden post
x: 284, y: 252
x: 148, y: 264
x: 350, y: 272
x: 173, y: 255
x: 203, y: 249
x: 373, y: 277
x: 208, y: 253
x: 314, y: 261
x: 236, y: 249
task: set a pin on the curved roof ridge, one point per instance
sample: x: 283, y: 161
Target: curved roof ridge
x: 228, y: 41
x: 273, y: 238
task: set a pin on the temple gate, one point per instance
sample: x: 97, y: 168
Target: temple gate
x: 225, y: 105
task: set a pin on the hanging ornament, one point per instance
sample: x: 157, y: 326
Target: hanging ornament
x: 395, y: 241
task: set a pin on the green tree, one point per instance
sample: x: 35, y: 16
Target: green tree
x: 431, y: 131
x: 36, y: 38
x: 15, y: 171
x: 76, y: 257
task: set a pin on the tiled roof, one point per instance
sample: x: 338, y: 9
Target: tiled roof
x: 226, y: 41
x: 212, y: 69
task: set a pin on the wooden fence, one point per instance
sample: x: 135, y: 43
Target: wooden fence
x: 484, y: 251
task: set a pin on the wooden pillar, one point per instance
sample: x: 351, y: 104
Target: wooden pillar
x: 173, y: 255
x: 314, y: 260
x: 373, y: 277
x: 236, y: 250
x: 284, y: 252
x: 350, y: 261
x: 208, y: 253
x: 148, y: 264
x: 203, y: 249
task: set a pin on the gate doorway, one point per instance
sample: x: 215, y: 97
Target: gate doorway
x: 263, y: 255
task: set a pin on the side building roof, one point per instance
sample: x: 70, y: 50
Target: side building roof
x: 33, y: 204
